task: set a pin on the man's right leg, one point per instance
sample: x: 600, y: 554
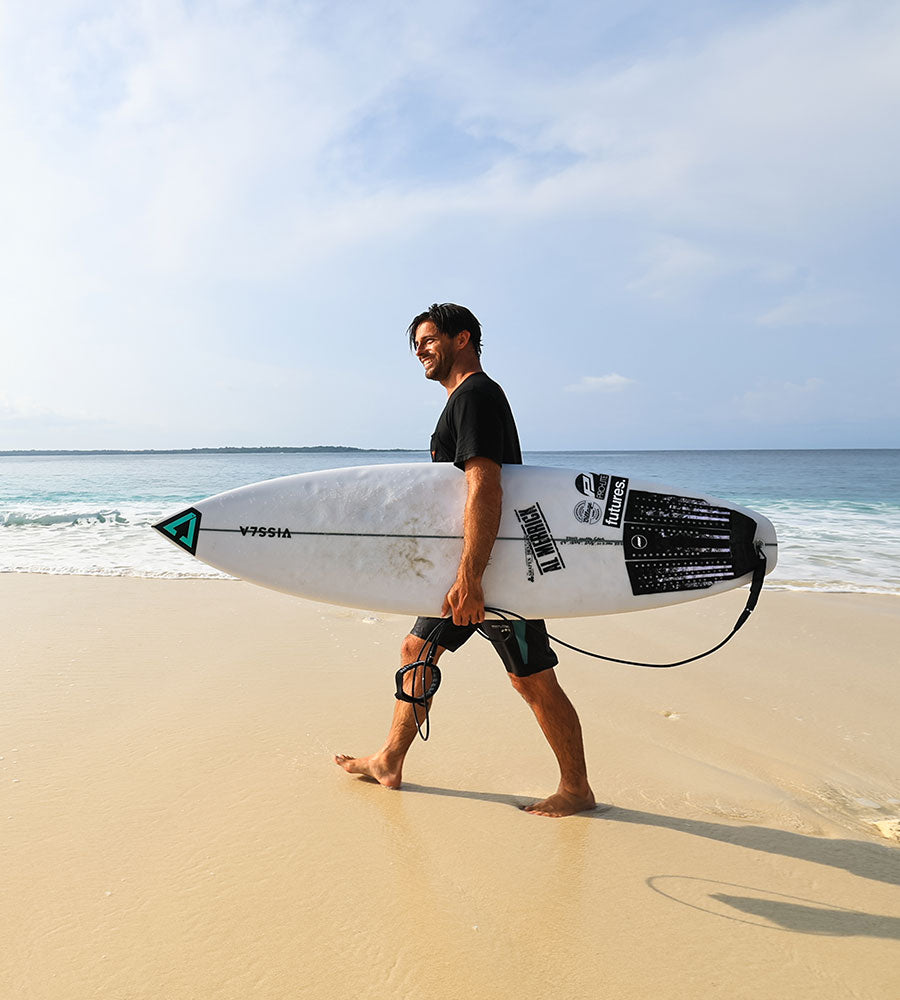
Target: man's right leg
x: 525, y: 650
x: 559, y: 723
x: 386, y: 766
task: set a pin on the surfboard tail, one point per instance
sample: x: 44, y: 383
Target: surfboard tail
x: 675, y: 543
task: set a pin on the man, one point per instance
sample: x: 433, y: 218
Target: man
x: 477, y: 433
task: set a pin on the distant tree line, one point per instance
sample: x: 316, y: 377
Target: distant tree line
x: 267, y: 449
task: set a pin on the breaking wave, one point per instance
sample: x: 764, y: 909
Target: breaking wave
x: 44, y: 519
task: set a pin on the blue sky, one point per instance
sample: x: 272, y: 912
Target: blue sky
x: 678, y: 222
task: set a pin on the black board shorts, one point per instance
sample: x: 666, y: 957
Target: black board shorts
x: 522, y: 645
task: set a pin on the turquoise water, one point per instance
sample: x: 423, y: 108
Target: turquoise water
x: 837, y: 513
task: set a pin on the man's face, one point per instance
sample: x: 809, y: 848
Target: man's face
x: 436, y: 351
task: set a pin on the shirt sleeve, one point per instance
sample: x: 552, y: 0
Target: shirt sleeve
x: 479, y: 424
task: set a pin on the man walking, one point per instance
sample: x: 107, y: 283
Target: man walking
x: 476, y: 432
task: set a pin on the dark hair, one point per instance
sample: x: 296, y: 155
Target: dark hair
x: 450, y: 320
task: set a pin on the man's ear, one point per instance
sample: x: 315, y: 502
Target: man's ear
x: 463, y: 338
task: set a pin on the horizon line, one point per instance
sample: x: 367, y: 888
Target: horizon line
x: 352, y: 449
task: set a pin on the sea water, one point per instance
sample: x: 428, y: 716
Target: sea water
x: 837, y: 513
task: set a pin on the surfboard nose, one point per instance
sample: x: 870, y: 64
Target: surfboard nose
x: 182, y: 528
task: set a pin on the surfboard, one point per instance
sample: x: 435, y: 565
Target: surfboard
x: 389, y: 538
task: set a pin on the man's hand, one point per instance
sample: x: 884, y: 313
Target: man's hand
x: 465, y: 599
x: 465, y: 602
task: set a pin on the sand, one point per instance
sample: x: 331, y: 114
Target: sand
x: 173, y: 825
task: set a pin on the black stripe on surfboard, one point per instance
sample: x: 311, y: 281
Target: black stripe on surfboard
x: 565, y: 540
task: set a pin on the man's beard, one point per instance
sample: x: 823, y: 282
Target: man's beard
x: 441, y: 369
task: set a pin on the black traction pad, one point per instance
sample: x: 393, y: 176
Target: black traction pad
x: 677, y: 543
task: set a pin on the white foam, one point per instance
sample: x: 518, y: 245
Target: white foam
x: 828, y: 546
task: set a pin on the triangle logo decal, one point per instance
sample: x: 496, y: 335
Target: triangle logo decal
x: 182, y: 529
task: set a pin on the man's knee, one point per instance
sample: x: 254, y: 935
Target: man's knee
x: 413, y: 648
x: 535, y: 686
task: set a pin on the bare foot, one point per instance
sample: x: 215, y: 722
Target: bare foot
x: 371, y: 767
x: 562, y: 803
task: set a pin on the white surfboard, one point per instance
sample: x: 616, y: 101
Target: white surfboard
x: 389, y: 538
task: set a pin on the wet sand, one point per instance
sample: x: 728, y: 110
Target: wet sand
x: 173, y: 825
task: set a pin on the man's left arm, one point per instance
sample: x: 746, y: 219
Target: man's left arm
x: 465, y: 599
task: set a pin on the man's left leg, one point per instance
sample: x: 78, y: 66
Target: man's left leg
x: 386, y: 766
x: 560, y: 725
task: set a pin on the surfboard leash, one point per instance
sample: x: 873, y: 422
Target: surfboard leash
x: 756, y: 585
x: 426, y: 662
x: 430, y: 647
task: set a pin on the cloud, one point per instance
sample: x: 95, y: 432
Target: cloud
x: 723, y: 128
x: 676, y: 267
x: 26, y: 423
x: 601, y: 383
x: 238, y: 133
x: 774, y: 402
x: 214, y: 139
x: 812, y: 308
x: 246, y: 180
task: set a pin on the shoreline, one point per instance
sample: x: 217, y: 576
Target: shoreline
x: 174, y: 824
x: 769, y: 588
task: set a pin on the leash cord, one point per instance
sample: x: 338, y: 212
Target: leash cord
x: 430, y: 646
x: 756, y: 584
x: 426, y: 662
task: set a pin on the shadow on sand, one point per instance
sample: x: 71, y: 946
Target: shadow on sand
x: 858, y: 857
x: 774, y: 911
x: 821, y: 920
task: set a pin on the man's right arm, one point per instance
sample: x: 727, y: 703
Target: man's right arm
x: 484, y: 499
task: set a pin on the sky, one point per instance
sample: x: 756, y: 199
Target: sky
x: 678, y: 222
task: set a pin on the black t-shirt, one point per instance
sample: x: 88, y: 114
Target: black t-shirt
x: 477, y: 422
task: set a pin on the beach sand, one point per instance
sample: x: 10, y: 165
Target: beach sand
x: 173, y: 825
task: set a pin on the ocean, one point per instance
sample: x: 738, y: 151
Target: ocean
x: 837, y: 513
